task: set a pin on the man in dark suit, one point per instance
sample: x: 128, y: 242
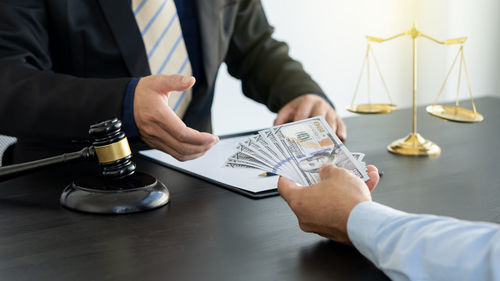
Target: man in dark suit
x: 66, y: 64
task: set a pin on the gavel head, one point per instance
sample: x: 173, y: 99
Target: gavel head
x: 112, y: 149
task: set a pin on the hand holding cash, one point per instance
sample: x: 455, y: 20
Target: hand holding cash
x: 296, y: 151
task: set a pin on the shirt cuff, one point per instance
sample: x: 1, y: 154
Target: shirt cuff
x: 365, y: 220
x: 128, y: 120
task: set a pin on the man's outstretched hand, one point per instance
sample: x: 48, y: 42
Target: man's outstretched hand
x: 324, y: 208
x: 311, y: 105
x: 158, y: 124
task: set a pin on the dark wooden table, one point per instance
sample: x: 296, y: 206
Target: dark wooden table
x: 209, y: 233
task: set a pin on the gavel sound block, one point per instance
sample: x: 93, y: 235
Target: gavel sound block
x: 118, y: 190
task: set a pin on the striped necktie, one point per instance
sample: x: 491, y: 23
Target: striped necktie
x: 162, y: 35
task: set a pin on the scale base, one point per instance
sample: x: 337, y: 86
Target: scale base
x: 97, y: 194
x: 414, y: 145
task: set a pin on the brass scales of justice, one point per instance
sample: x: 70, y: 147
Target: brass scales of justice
x: 414, y: 144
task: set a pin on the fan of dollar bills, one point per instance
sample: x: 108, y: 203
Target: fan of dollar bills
x: 297, y: 151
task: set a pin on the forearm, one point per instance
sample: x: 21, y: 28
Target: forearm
x: 41, y: 103
x: 424, y: 247
x: 269, y: 75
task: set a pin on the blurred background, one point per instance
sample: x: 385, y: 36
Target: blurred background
x: 328, y: 37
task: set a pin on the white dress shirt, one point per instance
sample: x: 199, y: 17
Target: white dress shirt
x: 425, y: 247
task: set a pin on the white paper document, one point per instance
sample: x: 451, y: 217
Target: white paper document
x: 211, y: 167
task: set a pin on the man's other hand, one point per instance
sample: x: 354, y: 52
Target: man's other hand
x: 311, y: 105
x: 324, y: 208
x: 158, y: 124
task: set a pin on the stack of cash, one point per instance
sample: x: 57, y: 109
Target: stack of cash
x: 297, y: 151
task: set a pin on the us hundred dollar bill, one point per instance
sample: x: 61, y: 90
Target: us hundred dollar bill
x: 310, y: 143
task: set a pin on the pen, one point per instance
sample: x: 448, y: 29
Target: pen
x: 267, y: 174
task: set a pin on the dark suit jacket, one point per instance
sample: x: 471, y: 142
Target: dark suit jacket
x: 65, y: 64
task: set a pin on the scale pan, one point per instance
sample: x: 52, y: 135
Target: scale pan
x: 371, y: 108
x: 454, y: 113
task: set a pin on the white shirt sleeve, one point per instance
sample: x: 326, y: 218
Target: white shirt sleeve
x: 425, y: 247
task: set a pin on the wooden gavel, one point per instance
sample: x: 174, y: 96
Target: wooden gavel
x: 110, y: 147
x: 118, y: 190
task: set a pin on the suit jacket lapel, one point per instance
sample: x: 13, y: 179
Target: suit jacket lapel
x: 122, y: 22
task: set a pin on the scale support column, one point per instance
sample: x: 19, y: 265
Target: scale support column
x: 414, y: 144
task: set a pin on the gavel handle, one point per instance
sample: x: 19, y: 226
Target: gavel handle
x: 16, y: 170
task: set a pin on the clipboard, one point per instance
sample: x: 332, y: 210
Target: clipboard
x: 210, y: 167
